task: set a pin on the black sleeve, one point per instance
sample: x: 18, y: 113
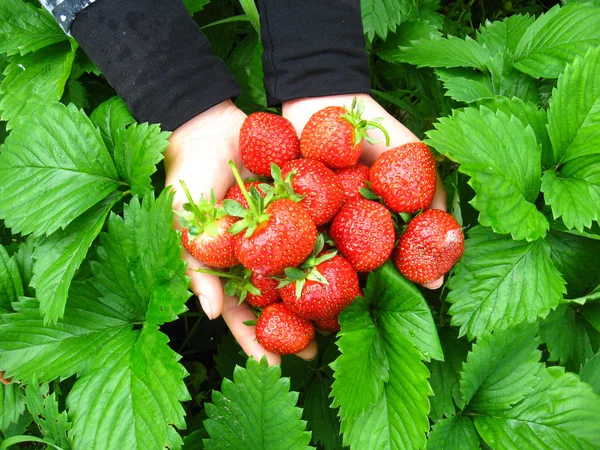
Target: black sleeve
x: 155, y: 56
x: 313, y: 48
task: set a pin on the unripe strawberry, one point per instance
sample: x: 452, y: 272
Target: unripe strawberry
x: 281, y: 331
x: 432, y: 244
x: 405, y: 177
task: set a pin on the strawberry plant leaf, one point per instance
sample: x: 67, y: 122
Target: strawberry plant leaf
x: 412, y: 30
x: 560, y: 412
x: 322, y: 419
x: 29, y: 349
x: 130, y: 398
x: 500, y: 282
x: 502, y: 157
x: 381, y: 16
x: 48, y: 181
x: 465, y: 85
x: 453, y: 433
x: 33, y: 80
x: 556, y: 38
x: 25, y: 28
x: 59, y: 255
x: 11, y: 286
x: 12, y: 404
x: 139, y: 268
x: 590, y: 372
x: 445, y: 375
x: 501, y: 369
x: 111, y: 117
x: 259, y: 402
x: 24, y: 258
x: 137, y: 151
x: 502, y: 36
x: 43, y: 407
x: 362, y: 368
x: 509, y: 82
x: 76, y: 93
x: 441, y: 52
x: 194, y: 6
x: 245, y: 64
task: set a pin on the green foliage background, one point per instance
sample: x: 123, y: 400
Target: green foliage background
x: 107, y: 347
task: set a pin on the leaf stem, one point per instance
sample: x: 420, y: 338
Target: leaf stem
x: 382, y: 128
x: 245, y: 192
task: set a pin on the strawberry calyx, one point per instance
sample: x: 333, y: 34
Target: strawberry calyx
x: 200, y: 217
x: 308, y: 269
x: 361, y: 126
x: 238, y: 282
x: 281, y: 188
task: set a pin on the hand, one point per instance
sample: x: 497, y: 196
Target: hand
x: 199, y: 153
x: 299, y: 111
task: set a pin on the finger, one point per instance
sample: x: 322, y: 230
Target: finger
x: 235, y: 315
x: 208, y: 288
x: 436, y: 284
x: 439, y: 199
x: 310, y: 352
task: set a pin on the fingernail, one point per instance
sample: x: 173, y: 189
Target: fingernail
x: 206, y: 306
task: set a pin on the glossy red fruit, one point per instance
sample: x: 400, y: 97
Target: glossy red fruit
x: 324, y: 301
x: 268, y: 291
x: 432, y: 244
x: 284, y: 240
x: 405, y: 177
x: 214, y: 251
x: 322, y: 192
x: 267, y: 138
x: 331, y: 325
x: 363, y: 231
x: 353, y: 179
x: 235, y: 193
x: 281, y: 331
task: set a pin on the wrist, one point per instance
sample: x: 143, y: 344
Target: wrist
x: 318, y: 103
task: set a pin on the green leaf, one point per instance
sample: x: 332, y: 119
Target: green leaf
x: 138, y: 149
x: 556, y: 38
x: 59, y: 255
x: 590, y: 372
x: 25, y: 28
x: 195, y: 440
x: 11, y: 286
x: 362, y: 368
x: 450, y: 52
x: 509, y: 82
x: 245, y: 64
x: 48, y: 181
x: 43, y: 407
x: 130, y: 398
x: 322, y: 419
x: 194, y: 6
x: 445, y: 375
x: 24, y: 258
x: 139, y: 268
x: 561, y: 413
x: 500, y: 282
x: 453, y: 433
x: 12, y: 404
x: 33, y: 80
x: 502, y: 157
x: 249, y: 7
x: 412, y: 30
x: 111, y: 116
x: 465, y: 85
x: 259, y: 402
x: 502, y: 36
x: 381, y: 16
x: 76, y: 93
x: 501, y: 369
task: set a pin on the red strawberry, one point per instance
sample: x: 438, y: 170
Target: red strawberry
x: 363, y: 231
x: 268, y: 291
x: 432, y: 244
x: 334, y: 135
x: 205, y: 231
x: 328, y: 324
x: 267, y: 138
x: 322, y: 192
x: 318, y: 300
x: 235, y: 192
x: 281, y: 331
x: 353, y: 179
x: 405, y: 177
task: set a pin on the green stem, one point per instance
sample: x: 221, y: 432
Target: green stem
x: 382, y: 128
x: 245, y: 192
x: 190, y: 335
x: 217, y: 273
x: 190, y: 199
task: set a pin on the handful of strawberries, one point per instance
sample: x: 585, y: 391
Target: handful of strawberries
x: 295, y: 238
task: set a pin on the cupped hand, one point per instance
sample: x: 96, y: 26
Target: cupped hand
x: 299, y: 111
x: 199, y: 153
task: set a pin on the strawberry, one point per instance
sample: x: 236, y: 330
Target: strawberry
x: 323, y: 286
x: 281, y: 331
x: 268, y: 291
x: 432, y: 244
x: 405, y: 177
x: 205, y: 231
x: 235, y: 193
x: 279, y: 236
x: 363, y: 231
x: 331, y: 325
x: 267, y: 138
x: 353, y: 179
x: 334, y: 135
x: 322, y: 192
